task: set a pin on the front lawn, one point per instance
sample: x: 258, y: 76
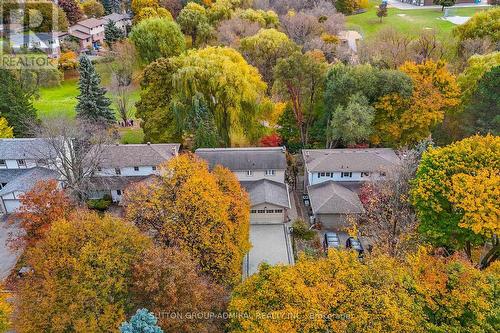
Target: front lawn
x: 410, y: 22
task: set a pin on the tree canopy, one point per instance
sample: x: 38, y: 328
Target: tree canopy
x: 453, y: 195
x: 219, y: 77
x: 204, y: 213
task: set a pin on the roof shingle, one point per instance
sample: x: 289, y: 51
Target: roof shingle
x: 239, y: 159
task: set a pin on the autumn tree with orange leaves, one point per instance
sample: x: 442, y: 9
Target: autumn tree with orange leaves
x: 421, y: 293
x: 401, y: 121
x: 167, y: 280
x: 202, y: 212
x: 40, y: 207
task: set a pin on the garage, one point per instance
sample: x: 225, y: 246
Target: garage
x: 269, y: 201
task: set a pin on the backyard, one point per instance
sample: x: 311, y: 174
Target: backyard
x: 61, y: 101
x: 410, y: 22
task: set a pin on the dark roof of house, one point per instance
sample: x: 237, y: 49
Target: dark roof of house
x: 267, y: 191
x: 362, y: 159
x: 28, y: 179
x: 331, y: 198
x: 115, y: 156
x: 18, y: 149
x: 91, y: 22
x: 238, y: 159
x: 79, y: 34
x: 114, y: 182
x: 6, y: 175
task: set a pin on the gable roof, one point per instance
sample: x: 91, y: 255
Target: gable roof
x: 267, y: 191
x: 23, y: 148
x: 115, y: 156
x: 362, y: 159
x: 79, y: 34
x: 28, y: 179
x: 6, y: 175
x: 331, y: 198
x: 238, y: 159
x: 90, y: 23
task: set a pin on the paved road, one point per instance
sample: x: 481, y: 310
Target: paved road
x: 8, y: 258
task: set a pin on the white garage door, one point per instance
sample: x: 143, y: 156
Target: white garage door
x: 11, y: 205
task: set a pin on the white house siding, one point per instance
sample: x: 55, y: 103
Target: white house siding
x: 279, y: 175
x: 263, y: 216
x: 13, y: 164
x: 127, y: 171
x: 320, y: 177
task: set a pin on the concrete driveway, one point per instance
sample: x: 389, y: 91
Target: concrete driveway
x: 8, y: 258
x: 271, y: 244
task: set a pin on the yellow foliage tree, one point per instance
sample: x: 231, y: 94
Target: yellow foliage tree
x: 5, y: 310
x: 204, y: 213
x: 478, y: 196
x: 403, y: 121
x: 150, y: 12
x: 5, y: 130
x: 81, y: 276
x: 333, y: 294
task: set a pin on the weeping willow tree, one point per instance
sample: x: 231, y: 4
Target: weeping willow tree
x: 229, y: 89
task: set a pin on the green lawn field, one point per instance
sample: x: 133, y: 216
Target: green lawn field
x: 410, y: 22
x: 61, y: 101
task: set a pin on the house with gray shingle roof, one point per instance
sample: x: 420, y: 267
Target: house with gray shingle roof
x: 332, y: 178
x: 261, y: 172
x: 122, y: 165
x: 21, y: 167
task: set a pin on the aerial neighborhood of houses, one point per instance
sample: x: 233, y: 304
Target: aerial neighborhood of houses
x: 332, y: 179
x: 88, y: 33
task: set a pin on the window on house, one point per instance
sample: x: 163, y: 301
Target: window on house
x: 21, y: 162
x: 270, y: 211
x: 346, y: 175
x: 253, y: 211
x: 119, y: 192
x: 270, y: 172
x: 382, y: 174
x: 365, y: 174
x: 136, y: 168
x: 322, y: 174
x: 2, y: 163
x: 118, y: 171
x: 328, y: 174
x: 153, y: 167
x: 278, y: 211
x: 319, y: 175
x: 249, y: 173
x: 3, y: 184
x: 261, y: 211
x: 42, y: 161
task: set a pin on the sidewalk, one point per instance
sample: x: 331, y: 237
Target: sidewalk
x: 406, y: 6
x: 8, y: 258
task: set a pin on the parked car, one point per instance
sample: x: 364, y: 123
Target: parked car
x: 355, y: 244
x: 331, y: 241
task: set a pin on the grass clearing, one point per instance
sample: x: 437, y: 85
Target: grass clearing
x: 410, y: 22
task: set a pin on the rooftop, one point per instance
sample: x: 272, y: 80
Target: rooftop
x: 238, y: 159
x: 267, y: 191
x: 25, y: 181
x: 23, y: 148
x: 115, y: 17
x: 90, y: 23
x: 362, y: 159
x: 115, y: 156
x: 331, y: 198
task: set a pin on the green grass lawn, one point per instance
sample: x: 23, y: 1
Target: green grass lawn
x: 410, y: 22
x: 61, y: 101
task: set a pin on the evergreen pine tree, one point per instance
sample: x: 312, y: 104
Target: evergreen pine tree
x: 92, y: 101
x: 142, y: 322
x: 111, y: 6
x: 112, y: 33
x: 15, y: 104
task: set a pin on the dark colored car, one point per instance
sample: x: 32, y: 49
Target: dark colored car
x: 331, y: 241
x: 355, y: 244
